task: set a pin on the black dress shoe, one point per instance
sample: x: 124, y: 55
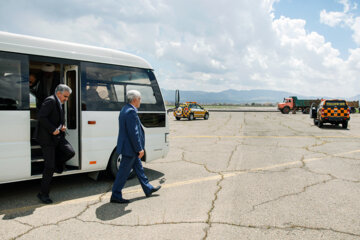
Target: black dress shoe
x: 116, y: 200
x: 44, y: 198
x: 152, y: 191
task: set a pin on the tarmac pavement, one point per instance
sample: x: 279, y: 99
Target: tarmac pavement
x: 238, y: 175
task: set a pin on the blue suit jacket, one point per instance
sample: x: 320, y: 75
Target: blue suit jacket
x: 131, y: 138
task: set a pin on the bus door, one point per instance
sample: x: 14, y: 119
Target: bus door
x: 72, y: 113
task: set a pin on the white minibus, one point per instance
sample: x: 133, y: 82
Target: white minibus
x: 99, y: 78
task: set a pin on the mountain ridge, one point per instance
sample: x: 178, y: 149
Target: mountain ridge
x: 232, y: 96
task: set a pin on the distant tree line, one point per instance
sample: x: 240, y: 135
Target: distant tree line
x: 232, y: 104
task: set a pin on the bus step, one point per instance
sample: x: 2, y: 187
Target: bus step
x: 37, y: 159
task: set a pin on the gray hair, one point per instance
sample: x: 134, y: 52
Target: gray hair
x: 63, y: 88
x: 132, y: 94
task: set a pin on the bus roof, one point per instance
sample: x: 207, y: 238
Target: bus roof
x: 17, y: 43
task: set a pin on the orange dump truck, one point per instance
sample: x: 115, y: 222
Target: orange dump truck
x: 295, y: 104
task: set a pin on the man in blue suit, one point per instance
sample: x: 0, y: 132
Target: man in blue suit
x: 130, y: 144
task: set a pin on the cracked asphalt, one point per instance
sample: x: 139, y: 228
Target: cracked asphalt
x: 238, y: 175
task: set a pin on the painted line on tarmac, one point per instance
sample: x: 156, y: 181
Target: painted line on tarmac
x: 198, y: 136
x: 94, y: 198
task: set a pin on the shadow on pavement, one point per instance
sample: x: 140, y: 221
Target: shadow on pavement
x: 19, y: 199
x: 110, y: 211
x: 333, y: 127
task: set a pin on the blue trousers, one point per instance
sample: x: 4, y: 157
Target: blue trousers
x: 126, y: 164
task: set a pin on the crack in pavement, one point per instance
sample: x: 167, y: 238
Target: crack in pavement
x: 200, y: 164
x: 23, y: 223
x: 288, y: 127
x: 219, y: 187
x: 254, y: 207
x: 64, y: 220
x: 208, y: 221
x: 224, y: 124
x: 232, y: 154
x: 290, y: 228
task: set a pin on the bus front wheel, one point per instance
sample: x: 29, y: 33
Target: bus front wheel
x: 114, y: 165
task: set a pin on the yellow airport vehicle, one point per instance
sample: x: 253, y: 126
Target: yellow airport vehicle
x: 334, y: 111
x: 191, y: 110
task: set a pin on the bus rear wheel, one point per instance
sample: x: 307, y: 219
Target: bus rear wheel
x: 114, y: 165
x: 177, y: 118
x: 345, y: 125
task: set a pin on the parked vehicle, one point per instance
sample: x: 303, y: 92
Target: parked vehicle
x: 191, y: 110
x: 333, y: 111
x: 294, y: 104
x: 353, y: 105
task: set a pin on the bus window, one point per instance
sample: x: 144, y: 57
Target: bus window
x: 115, y: 81
x: 14, y: 87
x: 147, y: 94
x: 120, y: 92
x: 131, y: 77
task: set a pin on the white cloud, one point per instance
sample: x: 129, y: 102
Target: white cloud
x: 332, y: 18
x: 356, y: 28
x: 203, y: 45
x: 345, y: 18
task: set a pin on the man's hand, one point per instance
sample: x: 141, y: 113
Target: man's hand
x: 141, y: 154
x: 63, y: 128
x: 56, y: 132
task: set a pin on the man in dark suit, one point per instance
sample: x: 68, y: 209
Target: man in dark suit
x: 130, y: 144
x: 51, y: 137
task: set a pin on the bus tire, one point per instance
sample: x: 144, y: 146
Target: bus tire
x: 191, y: 117
x: 114, y: 164
x: 177, y: 118
x: 206, y: 117
x: 345, y: 125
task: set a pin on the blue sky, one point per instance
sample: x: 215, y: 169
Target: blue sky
x: 309, y: 10
x: 301, y: 46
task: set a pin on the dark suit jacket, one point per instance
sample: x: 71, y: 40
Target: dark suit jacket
x: 131, y: 138
x: 50, y: 117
